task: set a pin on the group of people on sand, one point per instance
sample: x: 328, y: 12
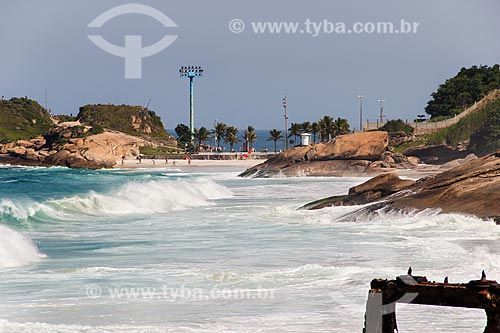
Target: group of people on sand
x: 174, y: 161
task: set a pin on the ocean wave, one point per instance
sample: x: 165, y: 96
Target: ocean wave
x: 146, y: 197
x: 16, y: 250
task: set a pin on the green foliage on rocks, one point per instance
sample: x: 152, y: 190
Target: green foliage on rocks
x: 22, y: 118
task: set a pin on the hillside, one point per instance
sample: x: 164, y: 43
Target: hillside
x: 476, y: 132
x: 463, y: 90
x: 22, y: 118
x: 132, y: 120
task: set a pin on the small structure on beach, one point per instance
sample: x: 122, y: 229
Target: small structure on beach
x: 305, y: 139
x: 384, y: 294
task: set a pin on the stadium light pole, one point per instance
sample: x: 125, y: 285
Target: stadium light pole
x: 361, y: 112
x: 286, y: 123
x: 191, y: 72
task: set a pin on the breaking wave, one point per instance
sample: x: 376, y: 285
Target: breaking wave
x: 16, y: 250
x: 132, y: 198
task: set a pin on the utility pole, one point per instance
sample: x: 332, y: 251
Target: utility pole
x: 381, y: 115
x: 361, y: 112
x: 286, y: 123
x: 215, y: 134
x: 191, y: 72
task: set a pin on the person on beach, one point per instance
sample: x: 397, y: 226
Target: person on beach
x: 123, y: 159
x: 174, y: 162
x: 154, y: 162
x: 166, y: 160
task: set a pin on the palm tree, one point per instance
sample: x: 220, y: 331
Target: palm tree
x: 275, y: 135
x: 201, y: 135
x: 218, y: 132
x: 249, y: 136
x: 295, y: 130
x: 340, y: 126
x: 326, y: 128
x: 231, y: 136
x: 306, y: 126
x: 314, y: 130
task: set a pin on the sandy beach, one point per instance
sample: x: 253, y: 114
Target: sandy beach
x: 160, y: 163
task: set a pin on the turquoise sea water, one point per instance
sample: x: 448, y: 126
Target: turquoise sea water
x: 201, y: 250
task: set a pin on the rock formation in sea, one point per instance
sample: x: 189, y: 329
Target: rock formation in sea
x: 365, y: 153
x: 472, y: 188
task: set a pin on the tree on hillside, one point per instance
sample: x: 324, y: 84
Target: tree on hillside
x: 201, y: 135
x: 231, y: 136
x: 397, y: 126
x: 486, y: 138
x: 340, y: 126
x: 275, y: 135
x: 218, y: 132
x: 468, y: 86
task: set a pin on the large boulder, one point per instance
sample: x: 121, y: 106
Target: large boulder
x: 358, y: 146
x: 374, y: 189
x: 436, y: 155
x: 472, y: 188
x: 346, y: 155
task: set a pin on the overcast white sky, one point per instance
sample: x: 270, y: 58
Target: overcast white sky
x: 44, y: 45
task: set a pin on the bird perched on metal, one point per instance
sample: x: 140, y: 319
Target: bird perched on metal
x: 409, y: 271
x: 446, y: 280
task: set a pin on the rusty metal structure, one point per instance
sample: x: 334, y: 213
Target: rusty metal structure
x: 384, y: 294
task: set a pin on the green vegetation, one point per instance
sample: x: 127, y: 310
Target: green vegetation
x: 402, y: 147
x: 133, y: 120
x: 160, y: 150
x: 231, y: 137
x: 458, y: 93
x: 482, y: 128
x: 62, y: 118
x: 275, y: 135
x: 249, y: 136
x: 201, y: 135
x: 22, y: 118
x: 183, y: 136
x: 397, y: 126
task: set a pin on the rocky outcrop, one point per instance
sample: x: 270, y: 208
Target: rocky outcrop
x: 440, y: 154
x: 358, y: 146
x: 346, y: 155
x: 375, y: 189
x: 471, y: 188
x: 71, y: 145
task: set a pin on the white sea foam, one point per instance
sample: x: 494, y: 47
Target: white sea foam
x: 132, y: 198
x: 15, y: 249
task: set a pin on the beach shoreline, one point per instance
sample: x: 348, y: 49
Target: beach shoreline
x: 160, y: 163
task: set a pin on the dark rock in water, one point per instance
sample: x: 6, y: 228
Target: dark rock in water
x: 472, y: 188
x: 373, y: 190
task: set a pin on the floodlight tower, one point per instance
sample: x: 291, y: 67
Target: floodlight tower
x: 286, y: 122
x: 191, y: 72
